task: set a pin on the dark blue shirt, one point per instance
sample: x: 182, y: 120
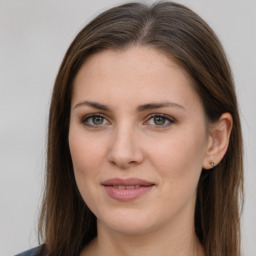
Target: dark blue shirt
x: 31, y: 252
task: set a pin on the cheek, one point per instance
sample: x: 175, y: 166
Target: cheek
x: 87, y: 156
x: 86, y: 152
x: 179, y: 164
x: 179, y: 160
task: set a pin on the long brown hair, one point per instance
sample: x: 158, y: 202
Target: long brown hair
x: 66, y: 224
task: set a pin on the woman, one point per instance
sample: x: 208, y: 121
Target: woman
x: 144, y: 143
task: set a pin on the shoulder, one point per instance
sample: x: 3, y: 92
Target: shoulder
x: 31, y: 252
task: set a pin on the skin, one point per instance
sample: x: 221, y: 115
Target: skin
x: 128, y: 142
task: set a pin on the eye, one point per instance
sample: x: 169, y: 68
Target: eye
x: 95, y: 120
x: 160, y: 120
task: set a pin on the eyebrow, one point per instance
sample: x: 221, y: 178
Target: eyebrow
x: 158, y: 105
x: 140, y: 108
x: 93, y: 105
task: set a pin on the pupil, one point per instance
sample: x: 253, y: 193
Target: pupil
x: 159, y: 120
x: 97, y: 120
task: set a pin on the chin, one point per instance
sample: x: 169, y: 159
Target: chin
x: 128, y: 223
x: 129, y: 228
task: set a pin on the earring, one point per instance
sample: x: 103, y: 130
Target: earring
x: 212, y: 164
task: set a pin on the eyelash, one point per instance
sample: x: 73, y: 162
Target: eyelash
x: 87, y: 117
x: 167, y: 118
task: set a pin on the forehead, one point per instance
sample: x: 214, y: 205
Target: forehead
x: 137, y: 73
x: 143, y: 59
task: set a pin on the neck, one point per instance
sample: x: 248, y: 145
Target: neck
x: 181, y: 241
x: 148, y: 245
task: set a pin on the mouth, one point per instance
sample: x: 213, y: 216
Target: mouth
x: 127, y: 189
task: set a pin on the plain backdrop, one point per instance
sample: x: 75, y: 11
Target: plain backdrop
x: 34, y: 35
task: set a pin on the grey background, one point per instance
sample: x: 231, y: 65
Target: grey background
x: 34, y: 36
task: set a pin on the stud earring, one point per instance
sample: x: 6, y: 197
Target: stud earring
x: 212, y: 164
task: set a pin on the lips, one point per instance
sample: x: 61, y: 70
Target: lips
x: 127, y: 189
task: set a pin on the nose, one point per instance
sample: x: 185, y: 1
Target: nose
x: 125, y: 149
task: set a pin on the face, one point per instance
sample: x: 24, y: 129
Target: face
x: 137, y: 140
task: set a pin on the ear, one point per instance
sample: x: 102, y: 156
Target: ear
x: 218, y: 141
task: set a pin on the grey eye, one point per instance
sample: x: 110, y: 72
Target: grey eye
x: 94, y: 120
x: 97, y: 120
x: 158, y: 120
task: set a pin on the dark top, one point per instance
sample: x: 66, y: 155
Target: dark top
x: 31, y: 252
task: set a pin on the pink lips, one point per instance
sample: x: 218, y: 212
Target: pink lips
x: 127, y: 189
